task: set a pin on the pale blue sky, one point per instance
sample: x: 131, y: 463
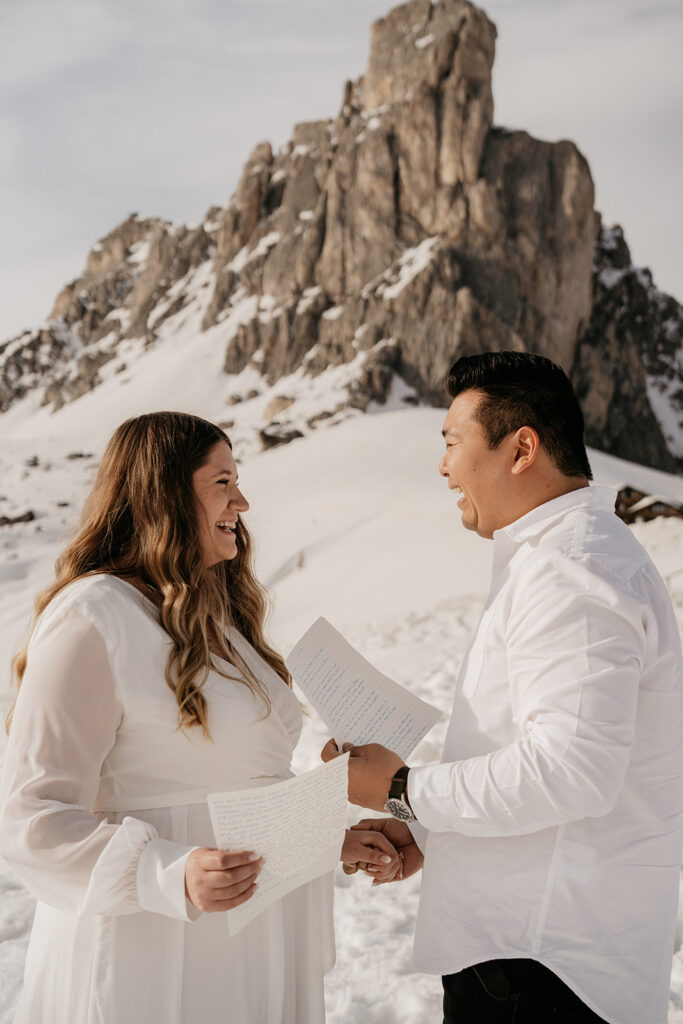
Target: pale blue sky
x: 110, y: 106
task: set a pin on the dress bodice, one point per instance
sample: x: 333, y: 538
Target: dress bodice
x: 153, y: 762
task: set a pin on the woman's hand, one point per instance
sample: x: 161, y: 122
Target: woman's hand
x: 371, y: 852
x: 399, y: 835
x: 220, y: 879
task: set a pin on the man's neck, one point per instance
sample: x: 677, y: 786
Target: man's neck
x: 546, y: 490
x: 562, y: 485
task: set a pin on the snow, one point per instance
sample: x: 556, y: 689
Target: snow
x: 609, y: 276
x: 246, y: 254
x: 423, y: 42
x: 139, y: 253
x: 617, y: 473
x: 307, y: 300
x: 353, y: 523
x: 14, y: 345
x: 268, y: 309
x: 664, y: 397
x: 411, y: 263
x: 375, y: 112
x: 663, y: 387
x: 400, y: 394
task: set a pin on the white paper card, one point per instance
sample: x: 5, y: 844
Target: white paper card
x: 356, y: 702
x: 297, y: 825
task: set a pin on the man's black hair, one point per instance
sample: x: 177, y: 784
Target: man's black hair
x: 520, y: 389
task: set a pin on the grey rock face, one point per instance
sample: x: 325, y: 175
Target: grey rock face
x: 123, y: 293
x: 628, y: 369
x: 486, y: 236
x: 389, y: 240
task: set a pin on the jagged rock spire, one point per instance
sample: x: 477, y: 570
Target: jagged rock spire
x: 403, y: 232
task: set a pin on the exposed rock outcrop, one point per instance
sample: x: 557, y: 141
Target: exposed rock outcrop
x: 628, y: 369
x: 412, y: 218
x: 405, y: 231
x: 635, y: 506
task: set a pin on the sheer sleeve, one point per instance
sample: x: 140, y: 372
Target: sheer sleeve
x: 65, y: 723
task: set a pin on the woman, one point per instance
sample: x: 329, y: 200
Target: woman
x: 147, y: 683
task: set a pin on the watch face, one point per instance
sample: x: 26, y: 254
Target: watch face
x: 399, y: 810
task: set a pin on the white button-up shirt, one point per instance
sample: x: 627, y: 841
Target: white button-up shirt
x: 555, y: 819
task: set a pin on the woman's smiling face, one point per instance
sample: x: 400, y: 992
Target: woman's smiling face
x: 219, y: 503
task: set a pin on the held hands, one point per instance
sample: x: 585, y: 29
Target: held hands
x: 371, y: 852
x: 401, y: 838
x: 371, y: 769
x: 220, y: 880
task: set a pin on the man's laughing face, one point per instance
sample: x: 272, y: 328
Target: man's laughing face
x: 477, y: 473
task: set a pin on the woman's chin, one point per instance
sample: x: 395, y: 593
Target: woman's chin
x: 221, y: 553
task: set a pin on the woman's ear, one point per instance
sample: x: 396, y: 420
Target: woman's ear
x: 526, y: 449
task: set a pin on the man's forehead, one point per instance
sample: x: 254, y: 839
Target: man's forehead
x: 462, y: 412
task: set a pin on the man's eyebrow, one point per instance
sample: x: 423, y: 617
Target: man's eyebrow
x: 449, y: 430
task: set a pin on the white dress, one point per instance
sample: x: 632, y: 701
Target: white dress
x: 102, y: 800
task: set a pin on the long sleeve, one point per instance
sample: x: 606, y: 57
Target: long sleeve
x: 573, y: 654
x: 64, y: 725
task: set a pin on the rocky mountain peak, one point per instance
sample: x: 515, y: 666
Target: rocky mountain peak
x: 384, y: 242
x: 446, y: 49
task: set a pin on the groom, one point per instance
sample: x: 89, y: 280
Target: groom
x: 552, y: 829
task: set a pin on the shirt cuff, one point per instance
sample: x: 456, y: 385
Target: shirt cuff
x: 430, y: 796
x: 419, y: 833
x: 161, y: 879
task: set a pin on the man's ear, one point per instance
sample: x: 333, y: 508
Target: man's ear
x: 526, y: 448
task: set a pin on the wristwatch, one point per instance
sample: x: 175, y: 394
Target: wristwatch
x: 397, y: 798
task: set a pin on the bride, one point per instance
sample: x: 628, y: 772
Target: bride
x: 147, y: 684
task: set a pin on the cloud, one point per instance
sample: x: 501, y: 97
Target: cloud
x: 41, y: 38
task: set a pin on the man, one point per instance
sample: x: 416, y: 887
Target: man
x: 552, y: 829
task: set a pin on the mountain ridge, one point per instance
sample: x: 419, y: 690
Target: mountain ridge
x: 388, y: 240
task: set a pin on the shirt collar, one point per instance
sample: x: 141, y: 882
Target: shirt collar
x: 536, y: 521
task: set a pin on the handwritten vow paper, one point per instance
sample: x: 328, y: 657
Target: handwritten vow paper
x: 356, y: 702
x: 297, y: 825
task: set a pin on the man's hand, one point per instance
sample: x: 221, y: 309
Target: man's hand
x: 220, y: 880
x: 371, y: 769
x: 400, y: 836
x: 371, y: 852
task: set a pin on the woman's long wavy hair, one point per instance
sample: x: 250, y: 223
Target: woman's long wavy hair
x: 140, y: 522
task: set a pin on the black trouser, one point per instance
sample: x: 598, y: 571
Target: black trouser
x: 511, y: 992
